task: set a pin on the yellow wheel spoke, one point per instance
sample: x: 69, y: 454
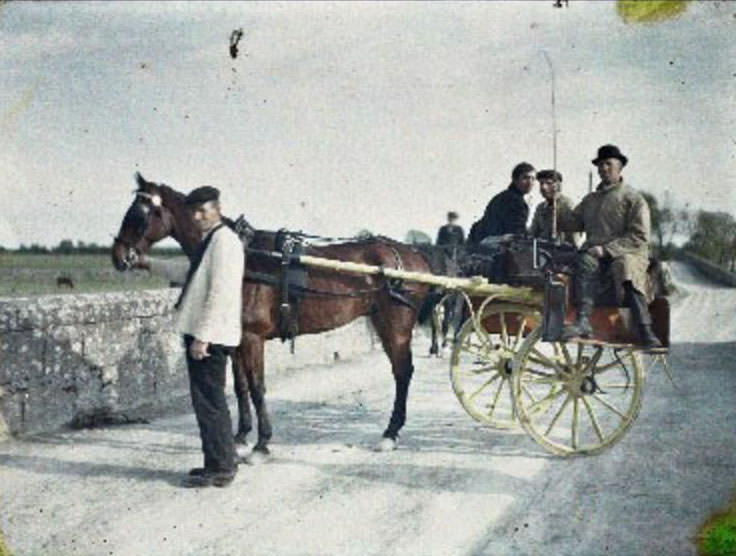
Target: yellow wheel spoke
x: 566, y: 354
x: 610, y: 406
x: 519, y: 334
x: 543, y: 360
x: 483, y: 386
x: 504, y: 331
x: 558, y: 414
x: 495, y: 398
x: 547, y: 379
x: 548, y: 399
x: 574, y: 428
x: 528, y: 393
x: 593, y: 419
x: 481, y: 370
x: 579, y: 356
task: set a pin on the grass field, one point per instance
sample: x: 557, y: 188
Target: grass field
x: 23, y: 275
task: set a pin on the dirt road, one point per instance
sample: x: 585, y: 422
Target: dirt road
x: 452, y: 487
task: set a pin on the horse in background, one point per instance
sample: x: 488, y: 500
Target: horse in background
x: 330, y: 300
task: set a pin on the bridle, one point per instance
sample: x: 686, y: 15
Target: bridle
x: 138, y: 217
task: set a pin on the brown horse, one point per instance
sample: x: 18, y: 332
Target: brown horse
x: 331, y: 299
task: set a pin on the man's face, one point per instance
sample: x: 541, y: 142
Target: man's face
x: 206, y: 215
x: 525, y: 182
x: 548, y: 187
x: 609, y: 169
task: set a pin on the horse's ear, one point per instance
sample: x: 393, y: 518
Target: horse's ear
x: 140, y: 180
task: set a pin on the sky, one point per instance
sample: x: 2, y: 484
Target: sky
x: 338, y: 117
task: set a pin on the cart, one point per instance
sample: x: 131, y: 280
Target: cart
x: 508, y: 367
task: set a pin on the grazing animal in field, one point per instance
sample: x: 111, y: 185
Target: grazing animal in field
x: 330, y: 299
x: 64, y: 281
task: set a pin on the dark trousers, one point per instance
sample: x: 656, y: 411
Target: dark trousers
x: 207, y: 386
x: 595, y: 284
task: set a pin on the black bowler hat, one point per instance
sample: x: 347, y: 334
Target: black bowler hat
x: 202, y: 194
x: 610, y: 151
x: 452, y: 215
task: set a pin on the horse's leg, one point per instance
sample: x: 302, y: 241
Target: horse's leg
x: 434, y: 349
x: 245, y: 420
x: 447, y: 317
x: 394, y: 326
x: 254, y: 365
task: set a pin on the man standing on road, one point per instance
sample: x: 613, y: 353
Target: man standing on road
x: 507, y: 212
x: 613, y: 261
x: 451, y: 235
x: 550, y: 186
x: 208, y: 316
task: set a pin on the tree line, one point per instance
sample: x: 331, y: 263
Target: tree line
x: 708, y: 234
x: 68, y: 247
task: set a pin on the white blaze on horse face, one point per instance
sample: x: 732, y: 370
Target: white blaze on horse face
x: 153, y: 198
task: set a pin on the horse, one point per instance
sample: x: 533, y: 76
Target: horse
x: 331, y: 299
x: 64, y: 281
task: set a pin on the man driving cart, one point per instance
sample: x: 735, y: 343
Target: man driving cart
x: 611, y: 267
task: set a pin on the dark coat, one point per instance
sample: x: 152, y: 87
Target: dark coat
x: 450, y: 235
x: 507, y: 213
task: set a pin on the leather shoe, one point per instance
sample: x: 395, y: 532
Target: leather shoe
x: 205, y: 478
x: 580, y: 329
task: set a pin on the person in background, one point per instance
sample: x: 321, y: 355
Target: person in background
x: 451, y: 236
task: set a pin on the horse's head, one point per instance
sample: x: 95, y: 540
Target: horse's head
x: 147, y: 221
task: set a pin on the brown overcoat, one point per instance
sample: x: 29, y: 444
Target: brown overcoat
x: 616, y: 217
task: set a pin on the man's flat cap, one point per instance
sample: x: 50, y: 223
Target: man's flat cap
x: 549, y: 175
x: 202, y: 195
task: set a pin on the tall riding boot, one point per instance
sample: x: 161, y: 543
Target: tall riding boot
x: 640, y: 314
x: 585, y: 289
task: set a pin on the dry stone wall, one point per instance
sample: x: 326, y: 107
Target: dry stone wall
x: 83, y: 359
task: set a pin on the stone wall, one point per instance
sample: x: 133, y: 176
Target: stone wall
x: 709, y: 269
x: 80, y: 359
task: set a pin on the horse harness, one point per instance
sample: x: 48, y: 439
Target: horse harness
x: 292, y: 279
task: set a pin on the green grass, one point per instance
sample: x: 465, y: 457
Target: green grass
x: 4, y: 551
x: 718, y: 535
x: 24, y: 275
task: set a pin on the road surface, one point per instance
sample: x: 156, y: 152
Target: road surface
x: 452, y: 487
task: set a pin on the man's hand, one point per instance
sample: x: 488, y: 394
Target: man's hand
x: 596, y: 251
x: 198, y: 350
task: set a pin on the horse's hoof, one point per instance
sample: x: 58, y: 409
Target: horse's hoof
x: 257, y: 457
x: 242, y: 451
x: 241, y: 438
x: 386, y: 445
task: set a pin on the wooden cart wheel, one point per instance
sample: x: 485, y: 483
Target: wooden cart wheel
x: 481, y: 362
x: 576, y: 398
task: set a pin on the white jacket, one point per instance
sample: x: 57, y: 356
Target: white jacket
x: 211, y: 307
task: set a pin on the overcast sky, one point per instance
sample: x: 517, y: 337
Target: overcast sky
x: 338, y: 117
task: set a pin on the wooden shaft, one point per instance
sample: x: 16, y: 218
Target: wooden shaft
x: 474, y: 285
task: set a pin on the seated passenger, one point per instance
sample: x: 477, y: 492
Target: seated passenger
x: 550, y: 185
x: 507, y: 212
x: 614, y: 258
